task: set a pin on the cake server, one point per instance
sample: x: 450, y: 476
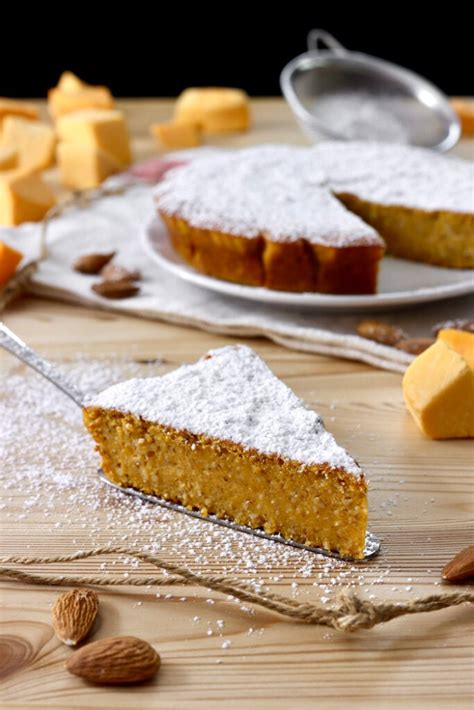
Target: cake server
x: 14, y: 345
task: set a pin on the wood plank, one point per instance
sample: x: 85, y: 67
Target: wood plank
x: 420, y: 501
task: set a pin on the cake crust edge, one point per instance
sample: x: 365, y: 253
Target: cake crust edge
x: 294, y: 266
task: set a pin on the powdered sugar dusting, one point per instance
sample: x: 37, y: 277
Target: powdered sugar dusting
x: 288, y: 193
x: 232, y: 395
x: 278, y: 191
x: 392, y: 174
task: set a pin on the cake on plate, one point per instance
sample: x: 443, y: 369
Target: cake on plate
x: 265, y: 217
x: 224, y: 436
x: 318, y: 219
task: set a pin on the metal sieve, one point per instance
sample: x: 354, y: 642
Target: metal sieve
x: 337, y: 94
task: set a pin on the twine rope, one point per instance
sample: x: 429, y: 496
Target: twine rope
x: 350, y: 612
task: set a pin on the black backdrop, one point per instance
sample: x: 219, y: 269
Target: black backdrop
x: 144, y: 49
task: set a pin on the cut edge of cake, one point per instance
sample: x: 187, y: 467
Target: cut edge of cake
x: 419, y: 201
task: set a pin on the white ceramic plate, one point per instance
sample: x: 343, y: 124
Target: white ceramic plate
x: 401, y: 282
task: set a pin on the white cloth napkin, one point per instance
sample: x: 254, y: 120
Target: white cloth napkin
x: 117, y: 223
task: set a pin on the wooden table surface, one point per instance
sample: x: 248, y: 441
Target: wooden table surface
x: 420, y: 504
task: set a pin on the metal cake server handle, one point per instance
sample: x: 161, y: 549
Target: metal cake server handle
x: 11, y: 342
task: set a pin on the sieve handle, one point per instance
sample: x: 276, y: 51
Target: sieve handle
x: 320, y: 39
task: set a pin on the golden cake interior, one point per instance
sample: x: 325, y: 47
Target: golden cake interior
x: 312, y: 504
x: 440, y: 237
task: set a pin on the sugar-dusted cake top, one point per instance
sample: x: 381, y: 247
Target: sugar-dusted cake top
x: 231, y: 394
x: 278, y: 191
x: 391, y: 174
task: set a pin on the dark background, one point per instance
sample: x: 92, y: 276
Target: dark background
x: 140, y: 49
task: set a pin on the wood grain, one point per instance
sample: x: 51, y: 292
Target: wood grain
x: 421, y: 504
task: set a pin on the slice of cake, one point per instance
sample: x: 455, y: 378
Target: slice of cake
x: 420, y: 202
x: 226, y: 437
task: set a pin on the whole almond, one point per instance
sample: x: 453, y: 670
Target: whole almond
x: 92, y: 263
x: 461, y: 567
x: 116, y: 289
x: 415, y: 346
x: 380, y: 332
x: 114, y: 661
x: 115, y: 272
x: 74, y: 613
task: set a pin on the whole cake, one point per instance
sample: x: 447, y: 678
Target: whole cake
x: 313, y: 219
x: 226, y: 437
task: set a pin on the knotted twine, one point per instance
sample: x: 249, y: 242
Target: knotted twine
x: 350, y: 612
